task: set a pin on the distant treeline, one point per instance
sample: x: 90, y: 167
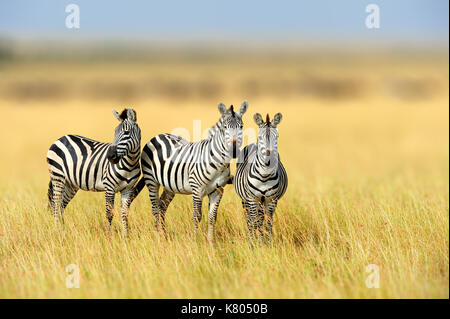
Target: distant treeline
x: 306, y: 86
x: 108, y: 71
x: 85, y: 50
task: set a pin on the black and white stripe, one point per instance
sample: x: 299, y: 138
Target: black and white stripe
x: 76, y: 162
x: 260, y: 179
x: 201, y: 168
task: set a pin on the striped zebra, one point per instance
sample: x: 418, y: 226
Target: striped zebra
x: 76, y: 162
x: 201, y: 168
x: 260, y: 179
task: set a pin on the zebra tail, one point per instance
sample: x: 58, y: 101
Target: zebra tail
x: 50, y: 194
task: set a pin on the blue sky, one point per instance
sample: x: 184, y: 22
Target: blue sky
x: 401, y: 20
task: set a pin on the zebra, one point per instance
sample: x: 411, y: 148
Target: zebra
x: 200, y: 168
x: 260, y: 179
x: 76, y: 162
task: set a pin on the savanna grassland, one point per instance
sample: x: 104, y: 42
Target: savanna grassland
x: 366, y: 151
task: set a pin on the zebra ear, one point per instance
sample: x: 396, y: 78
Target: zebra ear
x: 222, y: 108
x: 117, y: 115
x: 258, y: 119
x: 131, y: 115
x: 276, y: 119
x: 243, y: 108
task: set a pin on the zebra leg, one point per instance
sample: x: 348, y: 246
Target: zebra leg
x: 260, y: 222
x: 252, y: 219
x: 153, y: 190
x: 214, y: 201
x: 197, y: 201
x: 269, y: 211
x: 127, y: 198
x: 165, y: 199
x: 69, y: 193
x: 58, y: 188
x: 245, y: 207
x: 109, y: 197
x: 137, y: 189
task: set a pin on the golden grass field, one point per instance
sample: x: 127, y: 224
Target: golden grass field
x: 368, y: 184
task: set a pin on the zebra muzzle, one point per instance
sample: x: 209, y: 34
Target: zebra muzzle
x: 234, y: 148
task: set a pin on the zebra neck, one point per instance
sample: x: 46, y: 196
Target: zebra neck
x: 264, y: 168
x: 217, y: 152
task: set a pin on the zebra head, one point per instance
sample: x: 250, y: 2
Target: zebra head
x: 127, y: 137
x: 267, y: 145
x: 231, y: 127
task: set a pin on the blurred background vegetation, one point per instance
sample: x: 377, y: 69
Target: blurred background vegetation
x: 131, y: 73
